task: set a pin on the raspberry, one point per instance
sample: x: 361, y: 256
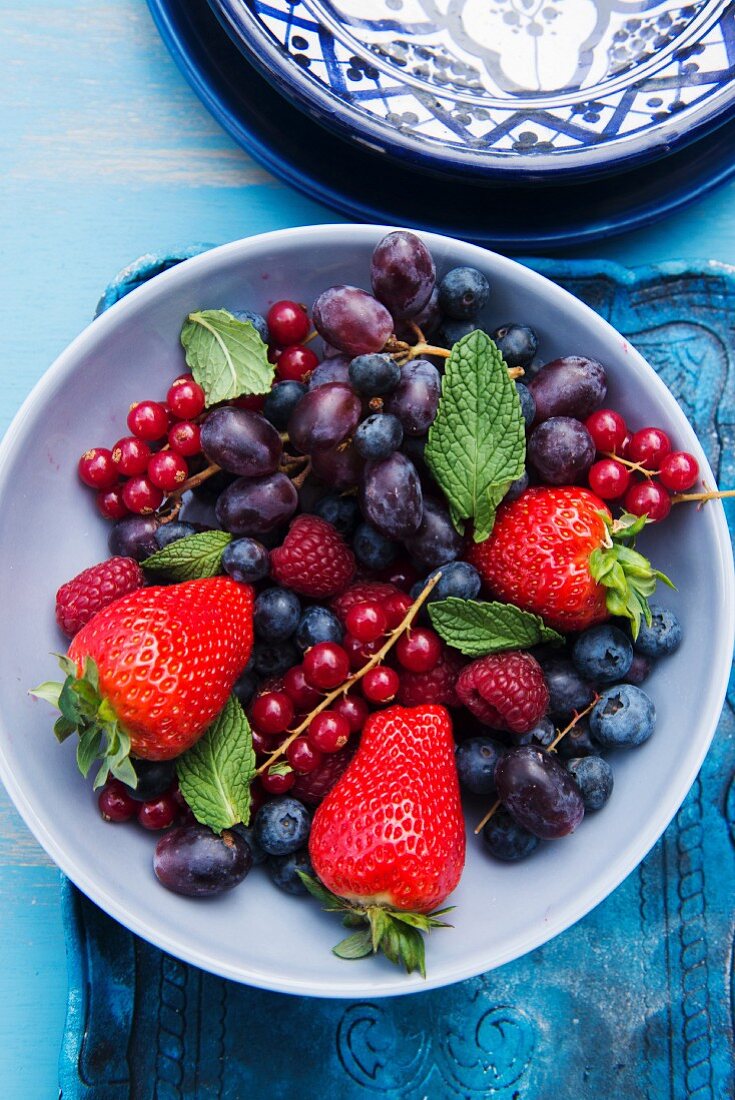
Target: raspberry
x: 505, y: 691
x: 313, y: 787
x: 437, y: 686
x: 94, y: 588
x: 362, y: 592
x: 314, y: 559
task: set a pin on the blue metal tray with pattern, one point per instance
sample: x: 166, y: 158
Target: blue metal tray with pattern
x: 635, y: 1002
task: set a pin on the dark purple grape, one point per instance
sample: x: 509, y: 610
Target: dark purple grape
x: 416, y: 397
x: 570, y: 386
x: 194, y: 861
x: 538, y: 792
x: 505, y: 839
x: 561, y: 450
x: 340, y: 468
x: 391, y: 497
x: 324, y: 417
x: 253, y: 506
x: 436, y: 541
x: 402, y: 273
x: 336, y: 369
x: 352, y: 320
x: 241, y: 442
x: 134, y: 537
x: 427, y: 319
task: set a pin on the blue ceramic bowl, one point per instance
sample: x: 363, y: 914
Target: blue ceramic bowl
x: 256, y: 934
x: 517, y: 88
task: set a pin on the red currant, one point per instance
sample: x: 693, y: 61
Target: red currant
x: 167, y: 470
x: 326, y: 665
x: 278, y: 782
x: 679, y: 471
x: 608, y: 478
x: 608, y: 430
x: 252, y: 401
x: 380, y: 684
x: 185, y: 438
x: 419, y: 649
x: 148, y: 420
x: 303, y: 756
x: 329, y: 731
x: 359, y: 653
x: 303, y: 696
x: 272, y: 713
x: 625, y: 446
x: 295, y: 363
x: 131, y: 455
x: 257, y: 798
x: 366, y: 621
x: 648, y: 447
x: 97, y: 469
x: 288, y: 323
x: 396, y: 608
x: 141, y: 497
x: 111, y: 504
x: 159, y: 813
x: 262, y: 745
x: 401, y: 573
x: 186, y: 399
x: 648, y: 498
x: 354, y: 710
x: 115, y: 802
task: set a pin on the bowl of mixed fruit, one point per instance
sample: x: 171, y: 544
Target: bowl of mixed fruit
x: 389, y: 587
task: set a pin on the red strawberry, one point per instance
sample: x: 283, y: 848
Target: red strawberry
x: 94, y: 588
x: 505, y: 691
x: 552, y: 551
x: 389, y: 838
x: 314, y: 559
x: 437, y: 686
x: 361, y: 592
x: 151, y: 671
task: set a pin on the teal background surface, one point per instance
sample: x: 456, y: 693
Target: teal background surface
x: 106, y: 154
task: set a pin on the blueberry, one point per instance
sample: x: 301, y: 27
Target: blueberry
x: 274, y: 658
x: 544, y: 732
x: 662, y: 637
x: 639, y: 670
x: 172, y: 532
x: 373, y: 549
x: 276, y: 614
x: 283, y: 871
x: 476, y: 760
x: 342, y: 512
x: 259, y: 854
x: 245, y: 685
x: 458, y: 578
x: 453, y: 331
x: 318, y: 624
x: 518, y: 486
x: 281, y: 826
x: 378, y: 436
x: 155, y: 777
x: 246, y: 560
x: 436, y: 541
x: 516, y: 343
x: 374, y: 375
x: 257, y: 320
x: 528, y: 405
x: 594, y: 777
x: 506, y: 840
x: 623, y: 716
x: 281, y: 402
x: 578, y: 742
x: 463, y: 292
x: 602, y: 654
x: 568, y: 692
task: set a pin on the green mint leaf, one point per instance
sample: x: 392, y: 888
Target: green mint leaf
x: 191, y: 558
x: 215, y: 773
x: 477, y: 628
x: 477, y: 443
x: 227, y: 357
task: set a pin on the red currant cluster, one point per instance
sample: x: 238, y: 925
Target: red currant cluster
x: 117, y: 804
x: 639, y: 470
x: 288, y: 327
x: 144, y: 467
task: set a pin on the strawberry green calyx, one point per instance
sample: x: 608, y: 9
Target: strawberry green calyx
x: 397, y: 933
x: 85, y: 711
x: 628, y: 577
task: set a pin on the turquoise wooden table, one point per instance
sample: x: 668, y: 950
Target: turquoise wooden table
x: 107, y: 154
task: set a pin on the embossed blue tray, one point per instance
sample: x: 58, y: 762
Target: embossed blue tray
x: 635, y: 1001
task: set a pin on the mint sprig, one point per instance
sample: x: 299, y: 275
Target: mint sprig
x: 189, y: 559
x: 215, y: 773
x: 477, y: 443
x: 227, y: 357
x: 477, y: 627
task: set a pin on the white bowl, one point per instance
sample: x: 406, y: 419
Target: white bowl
x: 50, y: 531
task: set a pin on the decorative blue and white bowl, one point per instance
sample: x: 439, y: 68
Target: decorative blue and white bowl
x: 536, y: 88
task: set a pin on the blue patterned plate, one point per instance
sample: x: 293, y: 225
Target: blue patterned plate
x: 530, y: 87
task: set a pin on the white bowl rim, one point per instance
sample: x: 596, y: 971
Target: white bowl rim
x: 592, y: 892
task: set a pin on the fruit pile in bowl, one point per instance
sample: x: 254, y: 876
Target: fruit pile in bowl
x: 384, y: 570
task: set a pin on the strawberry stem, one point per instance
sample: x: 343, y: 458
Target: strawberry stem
x: 350, y: 683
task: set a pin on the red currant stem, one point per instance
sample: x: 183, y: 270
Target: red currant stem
x: 197, y: 479
x: 710, y: 494
x: 636, y: 466
x: 352, y: 680
x: 552, y: 748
